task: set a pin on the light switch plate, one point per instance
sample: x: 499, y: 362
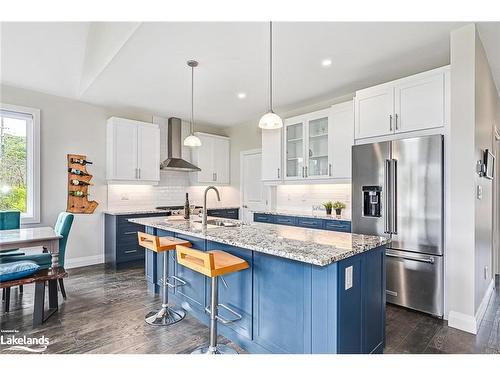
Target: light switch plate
x: 348, y: 278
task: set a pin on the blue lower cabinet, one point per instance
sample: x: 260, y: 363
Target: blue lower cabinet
x: 286, y: 220
x: 310, y: 223
x: 194, y: 292
x: 338, y: 225
x: 238, y: 294
x: 350, y: 306
x: 373, y: 282
x: 282, y: 304
x: 264, y: 218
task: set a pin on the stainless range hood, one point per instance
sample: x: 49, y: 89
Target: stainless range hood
x: 174, y: 161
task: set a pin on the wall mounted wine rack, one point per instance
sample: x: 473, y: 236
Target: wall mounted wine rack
x: 78, y: 185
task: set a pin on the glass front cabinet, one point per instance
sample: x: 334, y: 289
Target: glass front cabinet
x: 307, y: 151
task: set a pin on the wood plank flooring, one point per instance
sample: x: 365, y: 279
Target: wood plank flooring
x: 105, y: 309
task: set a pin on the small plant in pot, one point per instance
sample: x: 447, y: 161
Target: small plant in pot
x: 338, y: 207
x: 328, y: 207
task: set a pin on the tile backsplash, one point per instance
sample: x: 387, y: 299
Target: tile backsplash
x: 171, y: 191
x: 304, y: 197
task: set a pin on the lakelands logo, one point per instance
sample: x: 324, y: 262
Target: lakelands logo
x: 25, y: 343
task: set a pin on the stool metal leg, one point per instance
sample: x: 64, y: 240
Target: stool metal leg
x: 166, y: 315
x: 213, y: 347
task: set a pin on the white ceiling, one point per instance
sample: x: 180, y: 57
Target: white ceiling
x: 143, y: 66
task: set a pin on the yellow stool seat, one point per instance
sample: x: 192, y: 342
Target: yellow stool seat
x: 160, y: 244
x: 211, y: 263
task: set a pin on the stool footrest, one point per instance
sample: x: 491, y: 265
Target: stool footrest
x: 222, y: 319
x: 177, y: 282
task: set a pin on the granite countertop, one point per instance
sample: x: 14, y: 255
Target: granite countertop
x: 318, y: 247
x: 316, y: 215
x: 137, y: 211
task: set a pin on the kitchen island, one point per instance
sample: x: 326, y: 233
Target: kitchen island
x: 306, y: 290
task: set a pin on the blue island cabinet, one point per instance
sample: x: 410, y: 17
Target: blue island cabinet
x: 289, y: 306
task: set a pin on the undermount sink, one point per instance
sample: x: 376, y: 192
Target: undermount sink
x: 220, y: 223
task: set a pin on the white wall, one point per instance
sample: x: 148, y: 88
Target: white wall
x: 70, y: 126
x: 474, y: 105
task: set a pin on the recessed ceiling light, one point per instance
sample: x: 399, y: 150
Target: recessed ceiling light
x: 242, y: 95
x: 326, y: 62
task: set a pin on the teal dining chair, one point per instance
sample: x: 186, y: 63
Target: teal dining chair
x: 10, y: 220
x: 44, y: 260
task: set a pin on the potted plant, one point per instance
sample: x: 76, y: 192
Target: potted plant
x: 338, y: 207
x: 328, y: 207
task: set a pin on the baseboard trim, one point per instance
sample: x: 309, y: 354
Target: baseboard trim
x: 481, y: 310
x: 470, y: 323
x: 83, y: 261
x: 462, y: 322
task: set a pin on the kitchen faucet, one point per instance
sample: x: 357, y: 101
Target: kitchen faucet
x: 204, y: 218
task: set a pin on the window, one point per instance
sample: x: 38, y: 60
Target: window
x: 20, y: 161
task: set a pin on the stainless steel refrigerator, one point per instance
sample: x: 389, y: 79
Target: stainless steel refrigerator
x: 397, y: 191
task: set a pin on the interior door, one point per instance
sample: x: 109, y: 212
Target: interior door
x: 125, y: 151
x: 418, y: 212
x: 148, y: 155
x: 374, y: 109
x: 252, y: 194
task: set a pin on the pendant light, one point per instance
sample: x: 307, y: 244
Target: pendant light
x: 192, y: 140
x: 270, y: 120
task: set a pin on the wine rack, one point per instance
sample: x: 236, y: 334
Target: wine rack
x: 78, y: 186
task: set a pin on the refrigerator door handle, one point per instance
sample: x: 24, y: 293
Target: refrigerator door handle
x: 387, y: 168
x: 408, y: 257
x: 394, y: 195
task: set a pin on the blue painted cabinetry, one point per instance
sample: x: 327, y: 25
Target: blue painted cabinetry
x: 227, y: 213
x: 313, y: 223
x: 289, y: 306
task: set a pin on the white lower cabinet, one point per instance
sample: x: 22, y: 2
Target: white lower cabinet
x: 132, y: 151
x: 213, y: 158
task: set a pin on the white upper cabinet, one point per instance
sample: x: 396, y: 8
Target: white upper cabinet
x: 409, y: 104
x: 317, y: 145
x: 132, y: 151
x: 342, y: 139
x: 271, y: 155
x: 213, y: 158
x: 420, y: 103
x: 374, y: 111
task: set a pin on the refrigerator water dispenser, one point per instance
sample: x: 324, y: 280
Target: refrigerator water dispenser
x: 371, y: 201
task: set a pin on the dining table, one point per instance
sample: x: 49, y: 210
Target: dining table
x: 32, y: 237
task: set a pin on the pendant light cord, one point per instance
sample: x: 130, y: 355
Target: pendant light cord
x: 192, y: 100
x: 271, y: 66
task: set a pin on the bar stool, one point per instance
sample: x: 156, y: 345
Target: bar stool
x: 166, y: 315
x: 212, y: 264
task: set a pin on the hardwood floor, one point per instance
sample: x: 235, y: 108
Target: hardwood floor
x: 105, y: 309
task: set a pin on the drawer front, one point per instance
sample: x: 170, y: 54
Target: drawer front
x: 233, y: 213
x: 310, y: 223
x: 128, y: 252
x: 123, y: 219
x: 224, y: 213
x: 338, y: 226
x: 286, y: 220
x: 263, y: 218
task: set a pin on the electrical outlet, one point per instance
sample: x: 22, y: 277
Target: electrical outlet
x: 479, y: 193
x: 348, y: 278
x: 486, y: 272
x: 124, y: 197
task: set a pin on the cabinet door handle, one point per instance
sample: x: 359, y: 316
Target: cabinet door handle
x: 278, y: 173
x: 329, y: 169
x: 303, y: 175
x: 139, y: 173
x: 306, y: 172
x: 390, y: 123
x: 396, y: 120
x: 130, y: 233
x: 130, y: 251
x: 215, y: 176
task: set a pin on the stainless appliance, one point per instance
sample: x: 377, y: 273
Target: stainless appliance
x: 397, y: 191
x: 174, y: 160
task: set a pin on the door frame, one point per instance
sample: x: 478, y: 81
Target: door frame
x: 496, y: 204
x: 242, y: 155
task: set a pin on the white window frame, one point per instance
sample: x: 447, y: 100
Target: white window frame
x: 32, y: 216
